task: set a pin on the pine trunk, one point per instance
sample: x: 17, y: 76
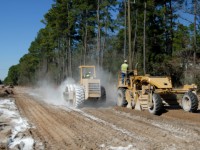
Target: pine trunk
x: 144, y: 40
x: 98, y: 35
x: 129, y: 36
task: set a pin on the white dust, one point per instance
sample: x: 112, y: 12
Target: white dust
x: 50, y: 93
x: 53, y: 94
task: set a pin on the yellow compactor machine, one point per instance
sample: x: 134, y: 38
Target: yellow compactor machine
x: 153, y: 92
x: 88, y: 88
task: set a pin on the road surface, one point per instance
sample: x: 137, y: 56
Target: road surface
x: 107, y: 128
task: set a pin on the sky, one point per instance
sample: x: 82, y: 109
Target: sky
x: 20, y: 21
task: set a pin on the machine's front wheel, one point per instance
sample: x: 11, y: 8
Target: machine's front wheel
x: 74, y: 95
x: 79, y: 96
x: 190, y: 102
x: 156, y: 105
x: 121, y: 99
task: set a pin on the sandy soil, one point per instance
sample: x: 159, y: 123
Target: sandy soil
x: 59, y: 127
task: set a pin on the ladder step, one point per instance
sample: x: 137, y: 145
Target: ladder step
x: 143, y: 99
x: 143, y: 102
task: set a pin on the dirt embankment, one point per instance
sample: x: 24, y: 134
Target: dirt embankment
x: 6, y: 91
x: 61, y: 127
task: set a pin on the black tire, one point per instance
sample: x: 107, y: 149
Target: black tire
x: 103, y: 94
x: 121, y: 99
x: 156, y: 104
x: 79, y: 96
x: 190, y: 102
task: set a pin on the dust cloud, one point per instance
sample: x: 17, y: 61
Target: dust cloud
x: 109, y: 82
x: 53, y: 94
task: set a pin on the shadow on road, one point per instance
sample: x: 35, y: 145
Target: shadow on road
x: 98, y: 104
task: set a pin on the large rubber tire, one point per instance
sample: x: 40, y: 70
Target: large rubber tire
x: 79, y: 96
x: 156, y: 104
x: 103, y: 94
x: 190, y: 102
x: 121, y: 99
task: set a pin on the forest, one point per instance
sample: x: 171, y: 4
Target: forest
x: 159, y: 37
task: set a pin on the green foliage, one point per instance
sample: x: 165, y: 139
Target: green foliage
x: 197, y: 82
x: 27, y: 68
x: 69, y: 39
x: 13, y: 75
x: 181, y: 39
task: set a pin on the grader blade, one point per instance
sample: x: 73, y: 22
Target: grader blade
x: 153, y: 92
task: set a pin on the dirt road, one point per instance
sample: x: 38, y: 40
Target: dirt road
x: 60, y: 127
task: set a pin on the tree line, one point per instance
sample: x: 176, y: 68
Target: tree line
x: 150, y: 34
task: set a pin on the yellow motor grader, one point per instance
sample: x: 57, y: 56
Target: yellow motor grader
x: 89, y: 88
x: 153, y: 92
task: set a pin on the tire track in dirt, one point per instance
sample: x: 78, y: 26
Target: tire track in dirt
x: 95, y: 132
x: 169, y: 126
x: 63, y: 129
x: 47, y: 127
x: 58, y: 127
x: 167, y: 134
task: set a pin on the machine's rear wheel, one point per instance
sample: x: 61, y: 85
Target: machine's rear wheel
x: 121, y: 99
x: 103, y: 94
x: 190, y: 102
x: 156, y: 106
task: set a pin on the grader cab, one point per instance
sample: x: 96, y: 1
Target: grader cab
x: 154, y: 92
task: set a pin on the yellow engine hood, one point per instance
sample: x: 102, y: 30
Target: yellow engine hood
x: 161, y: 82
